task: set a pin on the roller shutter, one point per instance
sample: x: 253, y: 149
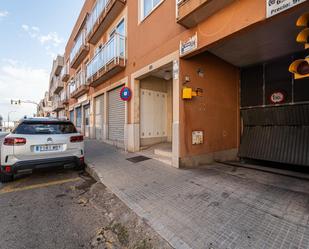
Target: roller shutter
x: 79, y: 117
x: 99, y: 117
x: 116, y: 116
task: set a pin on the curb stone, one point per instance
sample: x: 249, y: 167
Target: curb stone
x: 166, y: 234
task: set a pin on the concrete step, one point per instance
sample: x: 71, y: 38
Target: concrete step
x: 163, y: 152
x: 163, y: 159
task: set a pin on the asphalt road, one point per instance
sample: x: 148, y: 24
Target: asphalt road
x: 2, y: 135
x: 66, y: 209
x: 45, y: 210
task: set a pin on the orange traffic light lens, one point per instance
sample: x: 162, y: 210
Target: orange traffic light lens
x: 303, y: 68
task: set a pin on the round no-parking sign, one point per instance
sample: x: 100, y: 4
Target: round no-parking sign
x: 125, y: 93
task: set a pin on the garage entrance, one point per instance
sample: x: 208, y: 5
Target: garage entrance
x: 116, y: 117
x: 274, y: 107
x: 78, y: 114
x: 275, y: 113
x: 99, y: 116
x: 87, y: 120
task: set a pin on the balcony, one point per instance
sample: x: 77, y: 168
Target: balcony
x: 65, y: 101
x: 79, y: 50
x: 57, y: 85
x: 57, y: 105
x: 65, y: 75
x: 64, y: 97
x: 78, y: 86
x: 57, y: 65
x: 192, y: 12
x: 108, y: 61
x: 101, y: 17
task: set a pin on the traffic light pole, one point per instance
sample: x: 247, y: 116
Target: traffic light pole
x: 23, y: 101
x: 30, y: 102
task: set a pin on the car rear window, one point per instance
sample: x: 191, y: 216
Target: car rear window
x: 39, y: 128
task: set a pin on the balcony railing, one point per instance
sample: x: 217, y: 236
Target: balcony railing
x: 110, y: 56
x: 78, y: 86
x: 79, y: 50
x: 57, y: 65
x: 65, y: 75
x: 98, y: 22
x: 97, y: 10
x: 57, y: 85
x: 72, y: 87
x: 64, y: 97
x: 58, y: 106
x: 58, y: 103
x: 192, y: 12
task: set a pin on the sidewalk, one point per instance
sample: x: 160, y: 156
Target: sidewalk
x: 214, y: 207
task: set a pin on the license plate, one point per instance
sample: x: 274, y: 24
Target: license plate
x: 45, y: 148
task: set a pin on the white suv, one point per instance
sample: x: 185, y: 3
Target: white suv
x: 38, y: 143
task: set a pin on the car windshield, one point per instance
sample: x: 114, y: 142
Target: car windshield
x: 39, y: 128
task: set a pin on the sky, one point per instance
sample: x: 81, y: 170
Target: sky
x: 32, y: 33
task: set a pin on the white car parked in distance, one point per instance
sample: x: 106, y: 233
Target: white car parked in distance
x: 38, y: 143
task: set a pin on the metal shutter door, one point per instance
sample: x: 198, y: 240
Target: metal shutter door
x: 116, y: 116
x: 78, y: 117
x: 72, y: 116
x: 99, y: 116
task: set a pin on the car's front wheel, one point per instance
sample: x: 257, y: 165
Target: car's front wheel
x: 6, y: 178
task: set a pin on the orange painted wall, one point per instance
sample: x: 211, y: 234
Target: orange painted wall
x: 159, y: 34
x: 228, y: 21
x: 216, y: 112
x: 154, y: 37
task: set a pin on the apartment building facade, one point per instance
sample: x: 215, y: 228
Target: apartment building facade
x: 196, y: 76
x: 45, y: 106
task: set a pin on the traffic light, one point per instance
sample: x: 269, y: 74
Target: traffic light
x: 300, y: 67
x: 15, y: 102
x: 303, y: 36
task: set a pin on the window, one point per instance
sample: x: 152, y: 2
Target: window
x: 119, y: 29
x: 39, y: 128
x: 147, y: 6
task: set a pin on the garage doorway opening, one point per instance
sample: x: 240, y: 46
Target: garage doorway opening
x: 274, y: 107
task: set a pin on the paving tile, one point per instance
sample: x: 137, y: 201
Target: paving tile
x: 214, y: 207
